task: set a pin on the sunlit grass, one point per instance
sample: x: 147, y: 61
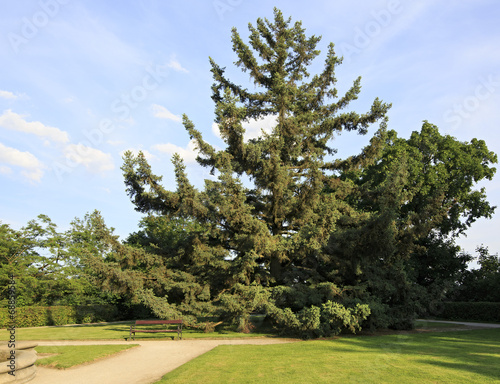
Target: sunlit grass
x: 437, y: 357
x: 70, y: 355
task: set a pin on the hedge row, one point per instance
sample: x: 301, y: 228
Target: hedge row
x: 479, y: 311
x: 59, y: 315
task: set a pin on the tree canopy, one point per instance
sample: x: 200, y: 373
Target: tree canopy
x: 45, y: 268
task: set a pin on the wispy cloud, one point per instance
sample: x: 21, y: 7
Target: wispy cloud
x: 175, y: 65
x: 8, y: 95
x: 163, y: 113
x: 32, y: 167
x: 94, y: 160
x: 4, y: 170
x: 15, y: 122
x: 189, y: 153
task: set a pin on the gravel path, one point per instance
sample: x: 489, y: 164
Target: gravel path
x: 472, y: 325
x: 141, y: 365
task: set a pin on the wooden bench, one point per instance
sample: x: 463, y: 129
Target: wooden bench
x: 133, y: 327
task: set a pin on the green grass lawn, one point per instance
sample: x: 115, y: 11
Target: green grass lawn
x: 112, y: 332
x: 69, y: 356
x: 435, y: 357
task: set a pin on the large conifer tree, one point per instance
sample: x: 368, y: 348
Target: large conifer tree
x: 273, y: 231
x: 276, y: 228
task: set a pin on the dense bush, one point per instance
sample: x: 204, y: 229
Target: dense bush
x: 60, y: 315
x: 479, y: 311
x: 299, y: 311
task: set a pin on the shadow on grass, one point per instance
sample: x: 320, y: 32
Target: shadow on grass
x: 475, y: 351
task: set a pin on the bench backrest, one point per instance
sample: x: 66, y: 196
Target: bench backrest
x: 151, y: 322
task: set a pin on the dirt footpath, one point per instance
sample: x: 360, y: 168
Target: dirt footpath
x: 141, y: 365
x: 466, y: 324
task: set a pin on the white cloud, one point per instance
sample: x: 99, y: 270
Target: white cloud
x: 148, y: 155
x: 7, y: 95
x: 33, y: 168
x: 163, y: 113
x: 15, y: 122
x: 175, y: 65
x: 93, y: 159
x: 215, y: 130
x: 189, y: 153
x: 254, y: 128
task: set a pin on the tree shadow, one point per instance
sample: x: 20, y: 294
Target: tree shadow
x: 50, y: 317
x: 474, y: 351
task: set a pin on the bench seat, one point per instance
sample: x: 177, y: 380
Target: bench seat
x: 178, y: 330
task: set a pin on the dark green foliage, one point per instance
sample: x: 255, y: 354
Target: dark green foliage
x: 474, y: 311
x: 482, y: 284
x: 161, y: 280
x: 45, y: 271
x: 410, y: 205
x: 329, y: 319
x: 440, y: 173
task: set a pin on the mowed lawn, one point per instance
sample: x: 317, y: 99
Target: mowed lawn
x: 112, y: 332
x: 437, y: 357
x: 68, y: 356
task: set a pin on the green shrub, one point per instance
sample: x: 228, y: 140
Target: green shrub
x: 59, y: 315
x: 329, y: 319
x: 31, y: 317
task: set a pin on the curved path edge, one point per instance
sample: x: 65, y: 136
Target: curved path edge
x: 142, y: 365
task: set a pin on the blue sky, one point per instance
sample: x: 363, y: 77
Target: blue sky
x: 83, y: 81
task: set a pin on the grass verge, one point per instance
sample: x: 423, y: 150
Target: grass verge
x: 71, y: 355
x: 438, y: 357
x: 431, y: 325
